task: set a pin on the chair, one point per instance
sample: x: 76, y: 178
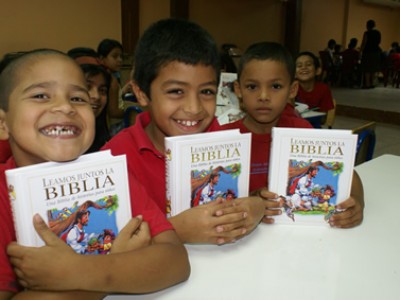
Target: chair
x: 366, y: 142
x: 330, y: 116
x: 130, y: 115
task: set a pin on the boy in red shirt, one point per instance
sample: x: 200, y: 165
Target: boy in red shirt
x: 314, y: 93
x: 264, y: 87
x: 46, y: 116
x: 176, y: 77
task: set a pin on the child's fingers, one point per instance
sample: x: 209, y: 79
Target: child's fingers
x: 144, y: 229
x: 48, y: 236
x: 131, y: 227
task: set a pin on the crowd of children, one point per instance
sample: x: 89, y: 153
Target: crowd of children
x: 176, y: 74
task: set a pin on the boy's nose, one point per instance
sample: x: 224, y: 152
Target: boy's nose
x: 192, y: 105
x: 264, y: 95
x: 63, y: 105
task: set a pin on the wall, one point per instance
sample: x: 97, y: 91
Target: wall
x: 343, y: 20
x: 60, y: 24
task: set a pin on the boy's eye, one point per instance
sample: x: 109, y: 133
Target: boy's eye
x: 78, y: 100
x: 208, y: 92
x: 175, y: 91
x: 41, y: 96
x: 276, y: 86
x: 250, y: 87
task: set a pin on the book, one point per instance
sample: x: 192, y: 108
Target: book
x: 228, y: 106
x: 204, y: 167
x: 85, y: 202
x: 311, y: 170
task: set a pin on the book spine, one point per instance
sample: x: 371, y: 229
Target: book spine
x: 170, y: 157
x: 23, y: 230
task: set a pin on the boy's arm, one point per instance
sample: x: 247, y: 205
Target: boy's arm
x: 216, y: 222
x: 56, y: 267
x: 353, y: 207
x: 33, y: 295
x: 5, y: 295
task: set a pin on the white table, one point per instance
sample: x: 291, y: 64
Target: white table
x: 294, y: 263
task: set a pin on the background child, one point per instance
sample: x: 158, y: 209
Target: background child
x: 314, y: 93
x: 110, y: 55
x: 46, y: 116
x: 176, y: 77
x: 265, y: 85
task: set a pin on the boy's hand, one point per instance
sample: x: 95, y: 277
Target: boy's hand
x: 255, y: 207
x: 43, y: 268
x: 353, y: 207
x: 351, y: 216
x: 134, y: 235
x: 271, y: 205
x: 216, y: 222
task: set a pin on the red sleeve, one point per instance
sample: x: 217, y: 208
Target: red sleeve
x: 8, y: 280
x: 143, y: 204
x: 5, y: 151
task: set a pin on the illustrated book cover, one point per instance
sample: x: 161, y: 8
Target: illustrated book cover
x: 84, y: 202
x: 311, y: 170
x: 204, y: 167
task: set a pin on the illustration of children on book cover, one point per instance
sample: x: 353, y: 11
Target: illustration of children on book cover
x: 214, y: 183
x: 312, y: 188
x: 88, y: 228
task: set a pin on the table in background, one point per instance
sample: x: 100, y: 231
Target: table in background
x: 314, y: 117
x: 288, y: 262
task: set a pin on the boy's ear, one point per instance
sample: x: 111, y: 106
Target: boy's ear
x: 294, y: 89
x: 237, y: 90
x: 141, y: 97
x: 318, y: 71
x: 4, y: 133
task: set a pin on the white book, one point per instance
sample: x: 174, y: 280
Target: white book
x: 94, y: 188
x: 204, y: 167
x: 311, y: 170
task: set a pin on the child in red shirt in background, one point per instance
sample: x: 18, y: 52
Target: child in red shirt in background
x: 264, y: 87
x: 316, y: 94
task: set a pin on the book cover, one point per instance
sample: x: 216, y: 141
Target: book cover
x: 311, y: 170
x: 85, y: 202
x: 207, y: 166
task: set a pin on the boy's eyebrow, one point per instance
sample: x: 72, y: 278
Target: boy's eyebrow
x: 47, y: 84
x: 174, y: 81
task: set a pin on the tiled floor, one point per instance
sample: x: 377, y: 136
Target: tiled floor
x: 379, y: 99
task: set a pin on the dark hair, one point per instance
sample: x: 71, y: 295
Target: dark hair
x: 172, y: 40
x: 12, y: 65
x: 80, y: 214
x: 353, y: 43
x: 370, y: 24
x: 82, y: 51
x: 106, y: 46
x: 331, y: 43
x: 102, y: 134
x: 268, y: 51
x: 313, y: 57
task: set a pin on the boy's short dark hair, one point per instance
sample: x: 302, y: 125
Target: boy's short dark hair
x: 313, y: 57
x: 268, y: 51
x: 12, y: 67
x: 171, y: 40
x: 106, y: 46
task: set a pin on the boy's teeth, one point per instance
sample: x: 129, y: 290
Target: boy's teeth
x: 187, y: 122
x: 59, y: 131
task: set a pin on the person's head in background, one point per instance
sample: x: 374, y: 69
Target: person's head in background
x: 353, y: 43
x: 265, y: 84
x: 98, y: 82
x: 370, y: 24
x: 176, y: 76
x: 308, y: 67
x: 110, y: 54
x: 44, y: 108
x: 331, y: 44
